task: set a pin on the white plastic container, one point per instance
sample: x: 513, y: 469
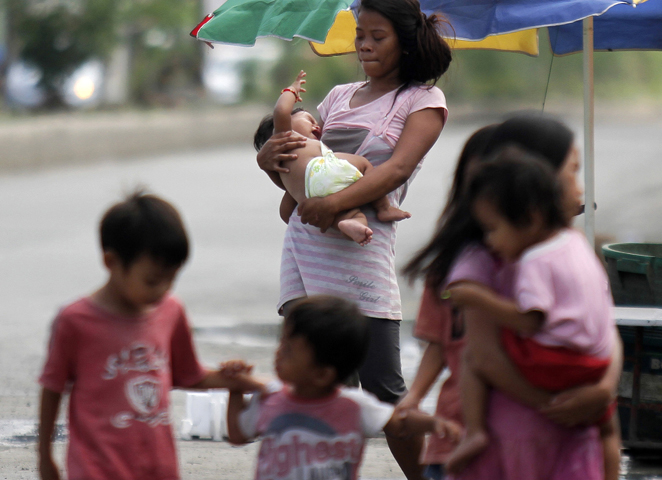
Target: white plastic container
x: 205, y: 416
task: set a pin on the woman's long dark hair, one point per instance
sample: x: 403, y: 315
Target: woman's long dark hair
x: 538, y: 134
x: 425, y: 55
x: 455, y: 227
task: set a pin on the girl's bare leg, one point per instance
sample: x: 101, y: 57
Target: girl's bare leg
x: 354, y: 224
x: 610, y: 434
x: 473, y: 394
x: 491, y: 366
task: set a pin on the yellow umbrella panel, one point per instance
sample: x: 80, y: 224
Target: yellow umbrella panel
x: 340, y: 39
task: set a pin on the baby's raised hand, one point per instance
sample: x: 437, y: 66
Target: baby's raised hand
x: 297, y: 85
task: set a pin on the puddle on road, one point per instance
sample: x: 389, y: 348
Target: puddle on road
x: 21, y: 432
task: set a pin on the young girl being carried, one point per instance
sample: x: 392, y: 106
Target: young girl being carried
x: 528, y: 443
x: 559, y: 327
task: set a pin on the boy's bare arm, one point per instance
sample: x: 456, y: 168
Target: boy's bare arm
x: 236, y: 405
x: 241, y: 381
x: 283, y: 109
x: 50, y: 404
x: 501, y: 310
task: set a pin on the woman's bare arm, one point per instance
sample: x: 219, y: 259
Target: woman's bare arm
x: 420, y: 132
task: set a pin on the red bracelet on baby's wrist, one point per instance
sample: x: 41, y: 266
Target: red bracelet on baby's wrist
x: 291, y: 90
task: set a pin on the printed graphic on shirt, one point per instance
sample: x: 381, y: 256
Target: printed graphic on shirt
x: 366, y: 289
x: 299, y: 447
x: 143, y: 392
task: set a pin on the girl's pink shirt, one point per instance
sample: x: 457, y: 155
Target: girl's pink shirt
x: 524, y: 445
x: 434, y: 323
x: 563, y: 278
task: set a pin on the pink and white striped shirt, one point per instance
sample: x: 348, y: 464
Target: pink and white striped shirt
x: 327, y: 263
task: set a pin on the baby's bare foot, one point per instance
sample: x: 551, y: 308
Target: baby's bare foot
x: 392, y: 214
x: 470, y: 446
x: 355, y: 230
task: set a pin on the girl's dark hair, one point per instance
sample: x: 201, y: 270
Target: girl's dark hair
x: 266, y: 129
x: 144, y: 224
x: 425, y: 55
x: 536, y: 133
x: 518, y: 184
x: 455, y: 227
x: 335, y: 328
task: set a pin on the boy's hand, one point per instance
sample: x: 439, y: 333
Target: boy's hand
x: 48, y: 470
x: 448, y: 429
x: 234, y: 368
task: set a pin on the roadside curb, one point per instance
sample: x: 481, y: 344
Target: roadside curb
x: 60, y: 139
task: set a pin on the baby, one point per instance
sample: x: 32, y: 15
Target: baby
x: 317, y: 171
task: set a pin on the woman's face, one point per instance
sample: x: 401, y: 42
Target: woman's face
x: 377, y: 45
x: 572, y: 190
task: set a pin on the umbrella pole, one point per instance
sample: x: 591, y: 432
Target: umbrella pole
x: 589, y: 124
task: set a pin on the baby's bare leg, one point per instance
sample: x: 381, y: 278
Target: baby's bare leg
x: 354, y: 224
x: 385, y: 211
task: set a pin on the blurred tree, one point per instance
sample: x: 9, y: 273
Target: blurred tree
x: 58, y: 35
x: 165, y: 61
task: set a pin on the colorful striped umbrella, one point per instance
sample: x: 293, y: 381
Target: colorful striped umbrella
x: 330, y: 25
x: 510, y: 25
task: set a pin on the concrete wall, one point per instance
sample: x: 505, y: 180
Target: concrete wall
x: 51, y: 140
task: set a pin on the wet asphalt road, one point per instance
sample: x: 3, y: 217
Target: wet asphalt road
x: 49, y: 254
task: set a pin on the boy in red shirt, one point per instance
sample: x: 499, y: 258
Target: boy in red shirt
x: 120, y: 350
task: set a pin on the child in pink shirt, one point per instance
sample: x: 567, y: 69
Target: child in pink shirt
x: 559, y: 328
x: 120, y: 350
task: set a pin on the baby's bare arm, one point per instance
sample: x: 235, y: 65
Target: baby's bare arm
x: 283, y: 109
x: 287, y: 206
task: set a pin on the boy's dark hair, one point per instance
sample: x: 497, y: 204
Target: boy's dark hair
x: 266, y: 129
x: 335, y: 328
x: 144, y: 224
x: 517, y: 184
x: 539, y: 134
